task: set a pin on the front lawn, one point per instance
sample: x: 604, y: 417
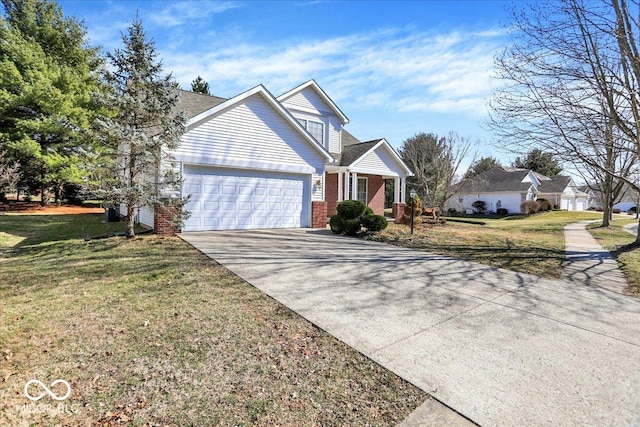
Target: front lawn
x: 619, y: 241
x: 533, y: 244
x: 151, y: 332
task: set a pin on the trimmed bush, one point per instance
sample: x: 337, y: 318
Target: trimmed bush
x: 351, y: 209
x: 633, y: 209
x: 374, y: 222
x: 480, y: 206
x: 545, y: 205
x: 336, y: 224
x: 352, y: 226
x: 529, y: 207
x: 502, y: 211
x: 367, y: 211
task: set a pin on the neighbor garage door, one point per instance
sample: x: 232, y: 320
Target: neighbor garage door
x: 230, y: 199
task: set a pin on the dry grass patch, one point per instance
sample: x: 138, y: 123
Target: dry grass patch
x: 532, y: 244
x: 151, y: 332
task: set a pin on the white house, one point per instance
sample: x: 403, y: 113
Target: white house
x: 260, y: 161
x: 507, y: 188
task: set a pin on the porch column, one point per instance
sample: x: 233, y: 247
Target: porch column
x: 346, y: 185
x: 340, y: 189
x: 354, y: 186
x: 403, y: 189
x: 396, y: 190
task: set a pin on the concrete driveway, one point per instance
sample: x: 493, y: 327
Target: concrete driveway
x: 502, y: 348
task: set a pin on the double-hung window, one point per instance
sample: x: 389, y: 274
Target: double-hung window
x: 362, y: 190
x: 316, y: 129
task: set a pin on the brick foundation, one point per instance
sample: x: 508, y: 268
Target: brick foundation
x: 318, y: 214
x: 163, y: 221
x: 397, y: 210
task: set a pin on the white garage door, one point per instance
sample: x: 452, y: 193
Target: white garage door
x: 231, y: 199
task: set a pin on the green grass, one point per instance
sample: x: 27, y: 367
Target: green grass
x: 620, y: 243
x: 151, y: 332
x: 533, y: 244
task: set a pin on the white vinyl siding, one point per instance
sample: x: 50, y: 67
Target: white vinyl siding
x: 333, y: 135
x: 509, y: 201
x: 378, y: 162
x: 246, y: 134
x: 309, y: 100
x: 307, y: 105
x: 146, y: 216
x: 229, y: 199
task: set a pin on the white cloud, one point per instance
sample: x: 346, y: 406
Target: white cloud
x: 390, y: 68
x: 186, y: 12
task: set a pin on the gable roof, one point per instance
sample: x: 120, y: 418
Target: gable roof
x: 193, y: 103
x: 272, y: 101
x: 498, y: 179
x: 555, y: 184
x: 351, y: 153
x: 316, y: 87
x: 347, y: 138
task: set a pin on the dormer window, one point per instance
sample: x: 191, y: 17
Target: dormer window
x: 316, y: 129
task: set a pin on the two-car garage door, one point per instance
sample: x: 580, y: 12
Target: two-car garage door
x: 230, y: 199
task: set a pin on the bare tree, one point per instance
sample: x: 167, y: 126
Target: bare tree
x: 571, y: 84
x: 435, y: 162
x: 9, y: 175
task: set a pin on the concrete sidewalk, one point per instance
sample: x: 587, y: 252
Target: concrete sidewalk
x: 588, y: 263
x: 501, y: 348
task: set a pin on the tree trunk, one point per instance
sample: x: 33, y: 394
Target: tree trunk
x: 131, y: 223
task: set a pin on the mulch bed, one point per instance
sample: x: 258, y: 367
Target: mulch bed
x: 34, y: 208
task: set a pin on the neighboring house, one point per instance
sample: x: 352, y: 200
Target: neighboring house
x: 628, y: 200
x: 257, y: 161
x: 507, y: 188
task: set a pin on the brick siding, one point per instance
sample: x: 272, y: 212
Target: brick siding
x: 318, y: 214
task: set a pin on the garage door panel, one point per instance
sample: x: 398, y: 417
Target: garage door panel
x: 224, y: 199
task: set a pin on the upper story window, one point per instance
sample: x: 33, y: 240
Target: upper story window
x: 316, y: 129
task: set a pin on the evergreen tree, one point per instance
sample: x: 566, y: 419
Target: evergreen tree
x: 145, y: 126
x: 47, y: 73
x: 199, y: 85
x: 538, y: 161
x: 481, y: 165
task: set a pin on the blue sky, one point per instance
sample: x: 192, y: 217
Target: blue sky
x: 394, y: 68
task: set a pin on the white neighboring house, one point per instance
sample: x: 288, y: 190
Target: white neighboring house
x: 507, y: 188
x: 257, y: 161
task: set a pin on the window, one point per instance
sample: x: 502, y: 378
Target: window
x: 362, y: 190
x: 316, y: 129
x: 499, y: 204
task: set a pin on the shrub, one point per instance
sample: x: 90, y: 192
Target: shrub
x: 367, y: 211
x: 529, y: 207
x: 545, y: 205
x: 351, y: 209
x: 480, y: 206
x: 352, y: 226
x: 502, y: 211
x: 452, y: 212
x: 374, y: 222
x: 633, y: 209
x: 336, y: 224
x: 616, y: 210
